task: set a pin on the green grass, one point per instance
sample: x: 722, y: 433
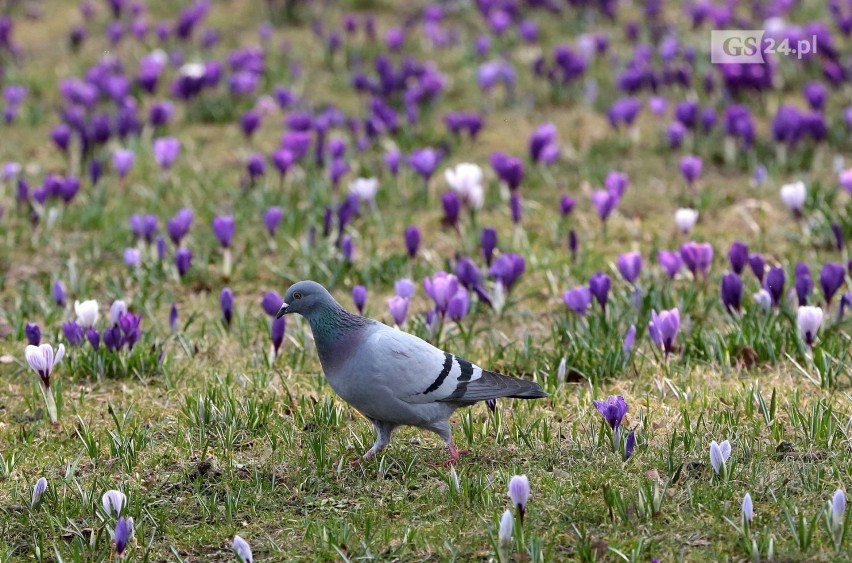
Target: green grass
x: 219, y: 437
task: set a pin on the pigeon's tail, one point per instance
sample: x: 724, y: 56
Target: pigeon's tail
x: 493, y: 385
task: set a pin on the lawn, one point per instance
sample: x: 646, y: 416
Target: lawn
x: 624, y: 171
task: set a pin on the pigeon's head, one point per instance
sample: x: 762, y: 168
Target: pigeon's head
x: 305, y: 298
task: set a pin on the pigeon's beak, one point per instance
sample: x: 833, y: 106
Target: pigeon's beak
x: 282, y: 311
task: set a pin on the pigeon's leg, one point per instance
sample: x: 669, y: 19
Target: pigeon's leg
x: 442, y: 429
x: 383, y: 436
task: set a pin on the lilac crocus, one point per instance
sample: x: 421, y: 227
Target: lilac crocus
x: 663, y: 329
x: 543, y: 143
x: 441, y: 287
x: 122, y: 536
x: 578, y: 299
x: 831, y: 279
x: 132, y: 257
x: 629, y: 339
x: 398, y: 307
x: 223, y: 228
x: 412, y: 240
x: 271, y: 302
x: 359, y: 297
x: 519, y: 493
x: 488, y: 242
x: 272, y: 218
x: 179, y: 225
x: 629, y: 266
x: 166, y: 151
x: 732, y: 292
x: 507, y: 269
x: 616, y: 183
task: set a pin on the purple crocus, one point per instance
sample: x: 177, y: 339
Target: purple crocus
x: 515, y: 208
x: 738, y: 256
x: 605, y: 202
x: 424, y: 162
x: 276, y: 331
x: 803, y: 282
x: 566, y: 205
x: 507, y: 269
x: 73, y: 333
x: 488, y: 242
x: 226, y: 302
x: 775, y: 280
x: 452, y: 207
x: 359, y: 297
x: 94, y: 338
x: 441, y: 287
x: 578, y: 299
x: 183, y: 260
x: 179, y: 225
x: 616, y: 183
x: 690, y: 167
x: 613, y: 409
x: 508, y: 168
x: 412, y: 240
x: 459, y: 305
x: 223, y: 228
x: 272, y: 218
x: 58, y: 292
x: 166, y: 151
x: 732, y: 292
x: 757, y: 266
x: 470, y: 277
x: 543, y: 143
x: 122, y: 161
x: 33, y: 334
x: 122, y: 536
x: 663, y: 329
x: 831, y: 279
x: 697, y: 257
x: 392, y: 161
x: 599, y: 285
x: 271, y: 302
x: 629, y: 266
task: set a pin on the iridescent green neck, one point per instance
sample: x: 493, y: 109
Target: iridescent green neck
x: 334, y: 323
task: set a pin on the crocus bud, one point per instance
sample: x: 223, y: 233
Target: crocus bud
x: 33, y: 333
x: 685, y: 219
x: 113, y: 501
x: 277, y: 333
x: 243, y: 550
x: 226, y: 301
x: 794, y: 195
x: 507, y: 523
x: 359, y: 297
x: 183, y: 260
x: 38, y: 492
x: 519, y: 492
x: 809, y: 319
x: 412, y: 240
x: 173, y: 318
x: 58, y: 291
x: 488, y: 241
x: 398, y: 308
x: 748, y: 509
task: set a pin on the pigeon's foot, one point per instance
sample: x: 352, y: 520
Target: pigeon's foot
x: 369, y: 453
x: 455, y: 454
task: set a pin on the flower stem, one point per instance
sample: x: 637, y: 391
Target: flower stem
x: 47, y: 393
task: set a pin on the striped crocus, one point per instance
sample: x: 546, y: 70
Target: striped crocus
x: 38, y: 492
x: 113, y: 501
x: 719, y: 454
x: 43, y: 361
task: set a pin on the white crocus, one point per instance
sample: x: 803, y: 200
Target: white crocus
x: 365, y: 188
x: 507, y: 523
x: 763, y: 299
x: 809, y: 319
x: 793, y: 195
x: 466, y: 180
x: 685, y: 219
x: 87, y: 313
x: 193, y: 70
x: 748, y: 509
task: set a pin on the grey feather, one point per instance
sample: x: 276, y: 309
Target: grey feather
x: 392, y: 377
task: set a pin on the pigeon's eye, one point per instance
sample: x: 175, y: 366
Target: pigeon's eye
x: 297, y: 295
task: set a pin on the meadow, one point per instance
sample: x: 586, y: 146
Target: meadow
x: 565, y: 191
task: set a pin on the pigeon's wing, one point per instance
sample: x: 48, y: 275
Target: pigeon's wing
x: 417, y: 372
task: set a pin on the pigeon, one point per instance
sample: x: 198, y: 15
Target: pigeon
x: 392, y: 377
